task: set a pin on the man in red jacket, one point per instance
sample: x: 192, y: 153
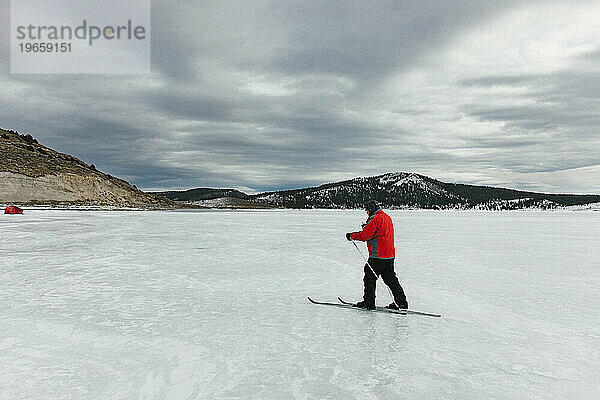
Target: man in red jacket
x: 378, y: 232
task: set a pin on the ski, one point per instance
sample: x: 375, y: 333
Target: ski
x: 346, y: 303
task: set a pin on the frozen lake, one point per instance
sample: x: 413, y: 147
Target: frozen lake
x: 212, y: 305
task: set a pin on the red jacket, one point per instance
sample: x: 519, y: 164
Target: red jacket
x: 379, y: 235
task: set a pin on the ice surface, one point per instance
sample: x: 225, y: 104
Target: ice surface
x: 212, y: 305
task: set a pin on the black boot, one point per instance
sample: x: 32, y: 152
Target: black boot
x: 365, y: 304
x: 402, y: 306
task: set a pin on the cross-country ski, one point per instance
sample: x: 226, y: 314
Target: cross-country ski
x: 345, y: 304
x: 401, y: 311
x: 341, y: 305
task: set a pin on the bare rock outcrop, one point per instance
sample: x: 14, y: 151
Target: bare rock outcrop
x: 31, y: 173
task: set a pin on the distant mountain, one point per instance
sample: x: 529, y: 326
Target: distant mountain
x: 215, y: 198
x: 200, y: 194
x: 31, y: 173
x: 392, y: 190
x: 409, y: 190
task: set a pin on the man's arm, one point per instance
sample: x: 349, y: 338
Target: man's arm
x: 368, y: 231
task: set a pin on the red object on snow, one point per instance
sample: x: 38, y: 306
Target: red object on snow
x: 13, y: 210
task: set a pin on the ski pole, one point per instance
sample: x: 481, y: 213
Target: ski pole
x: 366, y: 259
x: 373, y: 271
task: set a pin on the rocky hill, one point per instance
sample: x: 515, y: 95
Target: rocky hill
x: 409, y: 190
x: 201, y: 194
x: 31, y: 174
x: 215, y: 198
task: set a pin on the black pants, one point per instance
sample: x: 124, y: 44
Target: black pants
x: 385, y: 269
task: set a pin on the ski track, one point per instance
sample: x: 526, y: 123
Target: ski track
x: 212, y: 305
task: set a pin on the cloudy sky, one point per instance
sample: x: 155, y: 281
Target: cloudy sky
x: 264, y: 95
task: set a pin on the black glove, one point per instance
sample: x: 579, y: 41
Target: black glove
x: 348, y: 236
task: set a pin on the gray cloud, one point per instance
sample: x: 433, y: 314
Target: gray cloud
x: 558, y: 128
x: 368, y: 39
x: 267, y: 95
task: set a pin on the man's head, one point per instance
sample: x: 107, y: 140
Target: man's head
x: 371, y: 207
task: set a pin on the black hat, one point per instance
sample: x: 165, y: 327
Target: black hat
x: 372, y: 206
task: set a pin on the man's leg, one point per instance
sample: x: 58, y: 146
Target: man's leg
x: 391, y: 280
x: 369, y: 282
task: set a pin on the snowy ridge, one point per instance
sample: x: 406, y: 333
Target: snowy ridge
x: 518, y: 204
x: 415, y: 182
x: 585, y: 207
x: 400, y: 190
x: 396, y: 190
x: 229, y: 202
x: 393, y: 190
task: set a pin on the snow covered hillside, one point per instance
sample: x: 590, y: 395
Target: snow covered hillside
x: 400, y: 190
x: 212, y: 305
x: 397, y: 189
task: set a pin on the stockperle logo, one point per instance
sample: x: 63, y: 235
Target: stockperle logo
x: 80, y: 36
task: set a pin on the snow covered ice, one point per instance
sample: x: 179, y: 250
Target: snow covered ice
x: 212, y: 305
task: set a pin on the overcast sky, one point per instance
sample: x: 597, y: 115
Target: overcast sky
x: 270, y: 95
